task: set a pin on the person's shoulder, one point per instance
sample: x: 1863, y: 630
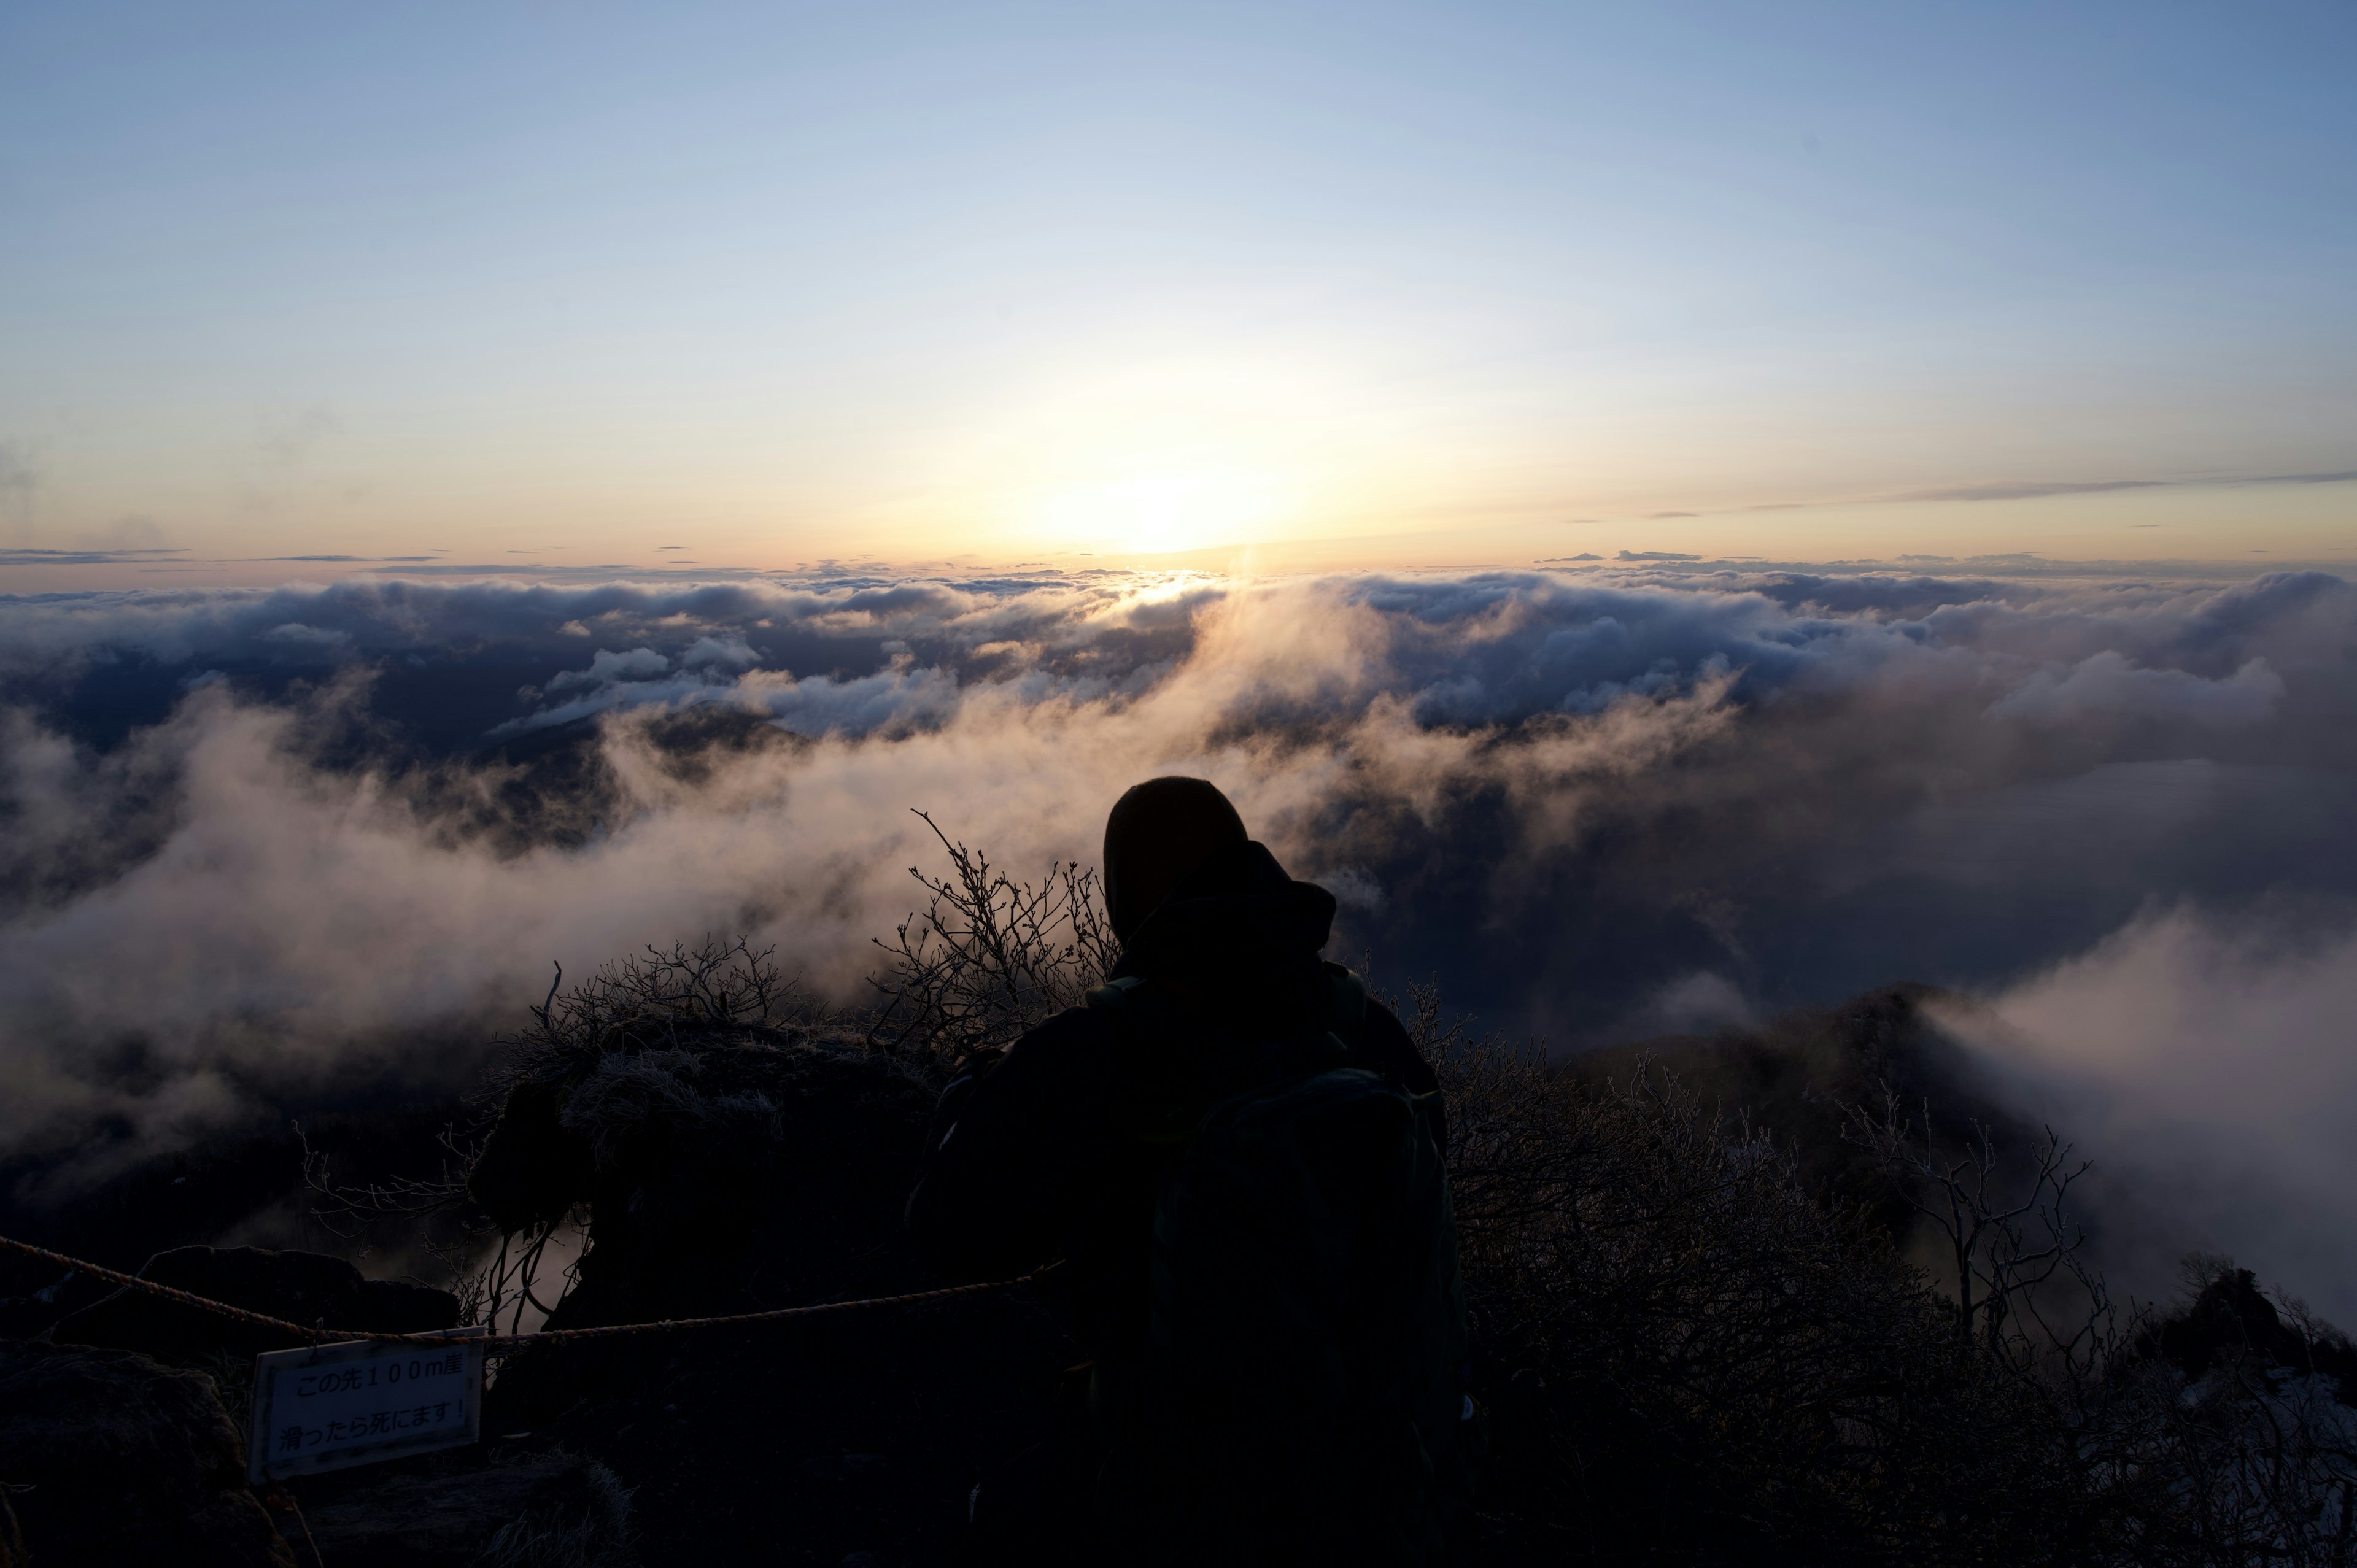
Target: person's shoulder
x: 1385, y: 1033
x: 1384, y: 1044
x: 1354, y: 1010
x: 1072, y: 1026
x: 1055, y: 1041
x: 1380, y: 1016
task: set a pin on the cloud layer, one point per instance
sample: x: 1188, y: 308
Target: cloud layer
x: 2211, y: 1063
x: 265, y: 844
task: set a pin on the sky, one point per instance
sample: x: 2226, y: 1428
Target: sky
x: 1264, y: 288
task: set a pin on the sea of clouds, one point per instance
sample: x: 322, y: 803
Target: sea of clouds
x: 262, y: 847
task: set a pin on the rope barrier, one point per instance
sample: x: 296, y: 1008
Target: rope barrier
x: 496, y: 1341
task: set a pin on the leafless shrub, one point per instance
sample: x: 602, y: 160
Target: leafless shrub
x: 1694, y: 1357
x: 490, y: 1271
x: 411, y: 1211
x: 989, y: 956
x: 685, y: 993
x: 2022, y: 1288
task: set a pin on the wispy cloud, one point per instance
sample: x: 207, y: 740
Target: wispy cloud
x: 2031, y: 489
x: 603, y: 572
x: 2028, y: 489
x: 85, y: 557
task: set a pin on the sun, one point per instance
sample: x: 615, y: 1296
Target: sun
x: 1161, y: 512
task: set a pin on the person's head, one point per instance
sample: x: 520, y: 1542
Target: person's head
x: 1156, y: 833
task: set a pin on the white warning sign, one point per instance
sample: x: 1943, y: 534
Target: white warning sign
x: 362, y: 1401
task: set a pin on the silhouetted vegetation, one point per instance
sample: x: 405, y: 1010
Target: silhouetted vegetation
x: 1697, y: 1342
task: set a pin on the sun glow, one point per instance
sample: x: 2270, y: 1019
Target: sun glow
x: 1156, y: 513
x: 1132, y: 449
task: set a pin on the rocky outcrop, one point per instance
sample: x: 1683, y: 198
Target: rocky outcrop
x: 111, y: 1457
x: 692, y: 1160
x: 309, y: 1288
x: 729, y: 1169
x: 2230, y: 1320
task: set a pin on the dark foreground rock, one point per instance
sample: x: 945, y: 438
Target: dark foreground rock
x: 556, y: 1511
x: 309, y: 1288
x: 114, y: 1458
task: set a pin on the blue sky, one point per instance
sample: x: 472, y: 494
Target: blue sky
x: 1363, y: 282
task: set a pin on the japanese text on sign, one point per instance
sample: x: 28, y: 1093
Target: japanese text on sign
x: 354, y: 1404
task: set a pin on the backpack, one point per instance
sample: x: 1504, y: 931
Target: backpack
x: 1302, y: 1395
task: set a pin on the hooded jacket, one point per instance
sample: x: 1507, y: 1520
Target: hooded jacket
x: 1041, y: 1156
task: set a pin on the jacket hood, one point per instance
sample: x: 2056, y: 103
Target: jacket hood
x: 1244, y: 939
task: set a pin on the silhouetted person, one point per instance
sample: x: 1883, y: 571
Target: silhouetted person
x: 1238, y: 1155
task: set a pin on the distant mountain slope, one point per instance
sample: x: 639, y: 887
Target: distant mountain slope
x: 1798, y: 1078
